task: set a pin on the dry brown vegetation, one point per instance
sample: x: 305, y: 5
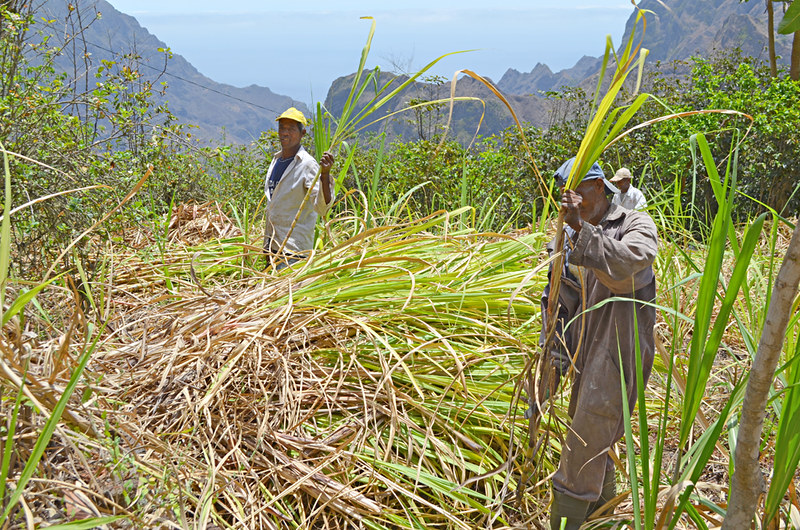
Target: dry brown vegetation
x: 223, y: 395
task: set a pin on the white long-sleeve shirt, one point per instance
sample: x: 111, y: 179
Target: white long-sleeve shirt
x: 284, y: 202
x: 633, y: 199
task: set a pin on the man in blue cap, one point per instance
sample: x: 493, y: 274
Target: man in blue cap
x: 609, y: 254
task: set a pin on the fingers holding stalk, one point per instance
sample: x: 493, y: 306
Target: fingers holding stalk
x: 571, y: 206
x: 325, y: 165
x: 326, y: 162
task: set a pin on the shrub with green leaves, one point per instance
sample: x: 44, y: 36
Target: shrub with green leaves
x: 661, y: 155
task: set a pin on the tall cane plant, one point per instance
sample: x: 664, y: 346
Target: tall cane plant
x: 706, y: 341
x: 606, y: 127
x: 353, y: 119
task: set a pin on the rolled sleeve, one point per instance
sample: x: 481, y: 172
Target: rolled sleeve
x: 320, y: 206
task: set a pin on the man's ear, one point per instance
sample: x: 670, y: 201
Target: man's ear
x: 601, y: 186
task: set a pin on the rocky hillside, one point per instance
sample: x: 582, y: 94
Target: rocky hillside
x: 220, y: 111
x: 489, y: 113
x: 676, y: 30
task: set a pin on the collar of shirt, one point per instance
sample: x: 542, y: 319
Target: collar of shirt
x: 277, y: 156
x: 613, y: 213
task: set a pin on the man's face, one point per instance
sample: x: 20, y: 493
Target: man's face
x: 594, y: 201
x: 623, y: 185
x: 289, y: 134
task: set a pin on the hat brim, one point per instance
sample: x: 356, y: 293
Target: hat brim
x: 595, y: 172
x: 610, y: 188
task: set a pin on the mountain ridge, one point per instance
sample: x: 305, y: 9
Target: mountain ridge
x: 676, y: 30
x: 221, y: 112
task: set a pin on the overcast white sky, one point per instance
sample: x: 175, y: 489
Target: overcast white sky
x: 297, y: 48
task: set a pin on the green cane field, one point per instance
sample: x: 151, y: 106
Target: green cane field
x: 157, y: 372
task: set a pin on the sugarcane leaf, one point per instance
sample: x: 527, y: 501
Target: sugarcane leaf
x: 603, y: 67
x: 349, y: 102
x: 23, y: 299
x: 787, y: 440
x: 5, y: 228
x: 628, y: 114
x: 791, y: 19
x: 87, y: 524
x: 49, y: 428
x: 375, y: 105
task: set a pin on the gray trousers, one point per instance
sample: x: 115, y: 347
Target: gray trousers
x: 597, y: 421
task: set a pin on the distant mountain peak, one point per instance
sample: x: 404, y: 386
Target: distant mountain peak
x: 676, y: 30
x: 217, y: 109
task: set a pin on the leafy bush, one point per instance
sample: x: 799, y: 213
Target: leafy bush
x: 99, y: 139
x: 662, y: 155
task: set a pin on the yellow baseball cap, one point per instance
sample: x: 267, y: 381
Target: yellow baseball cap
x: 293, y: 114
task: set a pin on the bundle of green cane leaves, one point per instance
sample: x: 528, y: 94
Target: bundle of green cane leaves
x: 330, y: 133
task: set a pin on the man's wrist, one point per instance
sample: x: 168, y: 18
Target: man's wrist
x: 577, y: 225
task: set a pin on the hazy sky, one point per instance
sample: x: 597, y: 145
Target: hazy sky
x: 297, y: 48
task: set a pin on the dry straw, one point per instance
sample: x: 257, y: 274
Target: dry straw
x: 363, y: 387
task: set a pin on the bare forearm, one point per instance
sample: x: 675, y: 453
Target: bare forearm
x: 325, y: 164
x: 325, y: 183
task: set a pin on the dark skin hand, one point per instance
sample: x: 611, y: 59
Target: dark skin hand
x: 325, y: 165
x: 588, y: 202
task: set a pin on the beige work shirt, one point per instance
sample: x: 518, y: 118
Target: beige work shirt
x: 633, y: 199
x: 283, y: 205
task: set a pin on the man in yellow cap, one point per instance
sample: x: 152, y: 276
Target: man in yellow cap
x: 291, y: 174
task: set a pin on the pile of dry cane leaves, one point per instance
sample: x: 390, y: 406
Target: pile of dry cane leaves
x: 216, y: 407
x: 214, y: 400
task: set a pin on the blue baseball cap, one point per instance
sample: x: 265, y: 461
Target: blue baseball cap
x: 595, y: 172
